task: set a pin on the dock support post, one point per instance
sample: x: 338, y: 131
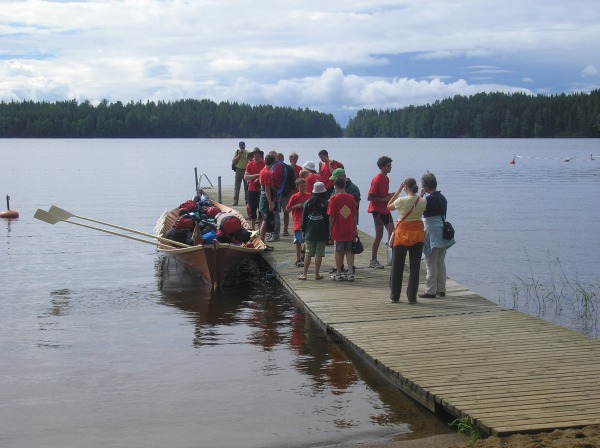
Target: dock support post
x: 220, y: 200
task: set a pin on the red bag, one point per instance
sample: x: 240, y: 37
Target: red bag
x: 212, y: 211
x: 190, y: 205
x: 231, y: 225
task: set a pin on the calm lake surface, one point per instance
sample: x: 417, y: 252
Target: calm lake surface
x: 105, y: 344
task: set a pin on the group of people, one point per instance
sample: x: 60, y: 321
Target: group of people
x: 324, y: 206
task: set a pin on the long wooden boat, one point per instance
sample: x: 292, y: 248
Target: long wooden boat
x: 211, y: 261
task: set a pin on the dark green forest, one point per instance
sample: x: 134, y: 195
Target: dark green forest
x: 495, y: 115
x: 179, y: 119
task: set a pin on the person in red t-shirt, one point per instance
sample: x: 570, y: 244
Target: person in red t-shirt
x: 251, y: 176
x: 296, y: 206
x: 326, y: 168
x: 313, y: 176
x: 379, y: 197
x: 268, y: 195
x: 293, y: 157
x: 342, y: 227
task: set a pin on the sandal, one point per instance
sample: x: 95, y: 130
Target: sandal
x: 302, y: 277
x: 299, y: 264
x: 286, y: 233
x: 268, y: 248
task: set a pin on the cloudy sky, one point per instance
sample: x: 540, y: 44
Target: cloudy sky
x: 333, y: 56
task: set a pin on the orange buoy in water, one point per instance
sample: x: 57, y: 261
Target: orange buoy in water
x: 9, y: 214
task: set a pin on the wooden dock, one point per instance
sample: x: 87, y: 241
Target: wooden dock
x: 506, y: 371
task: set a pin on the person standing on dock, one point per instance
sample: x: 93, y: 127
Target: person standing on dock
x: 342, y: 228
x: 253, y: 169
x: 435, y: 245
x: 295, y: 168
x: 240, y: 161
x: 409, y: 235
x: 268, y: 196
x: 326, y: 168
x: 315, y: 228
x: 296, y: 205
x: 350, y: 187
x: 313, y: 176
x: 379, y: 197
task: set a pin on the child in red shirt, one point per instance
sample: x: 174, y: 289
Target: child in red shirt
x: 342, y: 227
x: 296, y: 206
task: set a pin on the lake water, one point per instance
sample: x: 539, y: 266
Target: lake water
x: 104, y: 344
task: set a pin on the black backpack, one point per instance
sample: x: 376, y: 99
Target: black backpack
x: 290, y: 180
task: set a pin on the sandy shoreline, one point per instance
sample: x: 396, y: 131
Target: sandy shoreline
x: 586, y: 437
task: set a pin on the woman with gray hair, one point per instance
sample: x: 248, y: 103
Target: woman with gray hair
x: 435, y: 245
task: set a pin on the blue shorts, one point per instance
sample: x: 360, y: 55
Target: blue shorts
x: 298, y: 238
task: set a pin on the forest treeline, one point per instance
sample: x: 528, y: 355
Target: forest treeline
x: 484, y: 115
x: 179, y: 119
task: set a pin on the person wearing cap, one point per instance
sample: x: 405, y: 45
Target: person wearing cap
x: 313, y: 176
x: 326, y: 167
x: 342, y: 228
x: 315, y: 229
x: 240, y: 161
x: 253, y: 170
x: 350, y: 188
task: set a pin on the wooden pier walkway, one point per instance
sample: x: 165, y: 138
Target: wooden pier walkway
x: 506, y: 371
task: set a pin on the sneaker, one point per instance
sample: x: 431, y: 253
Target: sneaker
x: 375, y: 264
x: 299, y: 264
x: 338, y: 277
x: 441, y: 294
x: 272, y: 239
x: 334, y: 270
x: 234, y: 204
x: 286, y: 233
x: 350, y: 277
x: 424, y: 295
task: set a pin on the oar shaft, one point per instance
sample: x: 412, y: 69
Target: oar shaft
x: 149, y: 235
x: 112, y: 233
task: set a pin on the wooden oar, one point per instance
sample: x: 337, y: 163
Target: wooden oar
x: 43, y: 215
x: 65, y: 215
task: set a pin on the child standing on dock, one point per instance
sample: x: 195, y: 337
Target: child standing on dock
x: 296, y: 206
x: 315, y: 228
x: 342, y: 227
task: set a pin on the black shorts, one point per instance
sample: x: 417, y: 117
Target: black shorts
x: 253, y: 200
x: 382, y: 220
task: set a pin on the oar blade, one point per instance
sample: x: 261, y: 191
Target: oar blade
x: 61, y: 213
x: 43, y: 215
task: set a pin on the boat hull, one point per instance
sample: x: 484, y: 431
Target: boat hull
x: 212, y: 261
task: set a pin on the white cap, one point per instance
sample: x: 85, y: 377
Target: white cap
x: 319, y: 187
x: 309, y: 166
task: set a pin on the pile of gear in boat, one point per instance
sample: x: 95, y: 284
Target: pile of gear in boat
x: 200, y: 222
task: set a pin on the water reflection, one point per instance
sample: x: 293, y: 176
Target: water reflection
x: 260, y: 313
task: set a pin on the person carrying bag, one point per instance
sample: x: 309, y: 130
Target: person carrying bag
x: 408, y: 237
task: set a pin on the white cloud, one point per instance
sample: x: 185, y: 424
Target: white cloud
x: 329, y: 55
x: 590, y: 70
